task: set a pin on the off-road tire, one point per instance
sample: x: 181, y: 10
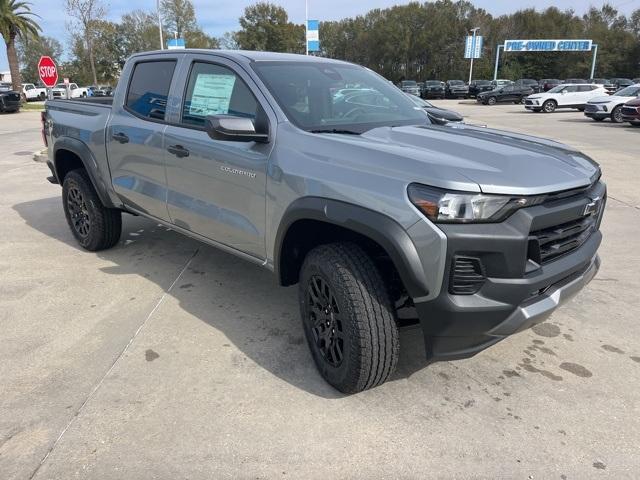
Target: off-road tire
x: 365, y: 316
x: 101, y: 226
x: 549, y: 106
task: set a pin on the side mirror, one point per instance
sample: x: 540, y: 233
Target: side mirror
x: 233, y: 129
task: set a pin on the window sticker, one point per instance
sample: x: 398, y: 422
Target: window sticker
x: 211, y: 94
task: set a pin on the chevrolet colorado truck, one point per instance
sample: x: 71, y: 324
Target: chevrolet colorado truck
x: 380, y: 217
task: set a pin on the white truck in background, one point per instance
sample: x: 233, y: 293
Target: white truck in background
x: 60, y: 91
x: 31, y: 92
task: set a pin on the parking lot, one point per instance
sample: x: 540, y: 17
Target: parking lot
x: 164, y: 358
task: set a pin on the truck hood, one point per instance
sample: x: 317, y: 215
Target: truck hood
x: 495, y: 161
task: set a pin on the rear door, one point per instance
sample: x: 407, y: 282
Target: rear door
x: 217, y: 188
x: 568, y: 96
x: 134, y: 137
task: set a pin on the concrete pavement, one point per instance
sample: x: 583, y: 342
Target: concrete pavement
x: 163, y: 358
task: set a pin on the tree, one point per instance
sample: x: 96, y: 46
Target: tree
x: 178, y: 16
x: 179, y: 19
x: 87, y: 13
x: 139, y: 32
x: 30, y: 49
x: 16, y: 23
x: 266, y: 26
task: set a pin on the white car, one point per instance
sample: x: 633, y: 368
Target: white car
x: 31, y: 92
x: 567, y: 95
x: 60, y: 91
x: 610, y: 106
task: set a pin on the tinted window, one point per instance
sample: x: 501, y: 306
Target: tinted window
x: 149, y: 88
x: 216, y: 90
x: 324, y: 96
x: 586, y: 88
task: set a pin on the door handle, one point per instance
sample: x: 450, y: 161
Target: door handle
x: 120, y: 137
x: 178, y: 150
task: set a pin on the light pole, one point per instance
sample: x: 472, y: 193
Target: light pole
x: 160, y: 24
x: 473, y: 48
x: 306, y: 26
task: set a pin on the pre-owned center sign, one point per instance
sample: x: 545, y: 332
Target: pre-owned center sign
x: 547, y: 45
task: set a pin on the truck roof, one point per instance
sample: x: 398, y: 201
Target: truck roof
x: 243, y: 55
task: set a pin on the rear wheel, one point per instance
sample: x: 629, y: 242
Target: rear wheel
x: 549, y: 106
x: 616, y: 114
x: 93, y: 225
x: 348, y: 318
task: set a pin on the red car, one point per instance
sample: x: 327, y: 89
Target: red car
x: 631, y: 112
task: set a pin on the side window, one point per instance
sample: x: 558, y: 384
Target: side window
x: 149, y: 88
x: 216, y: 90
x: 586, y: 88
x: 571, y: 89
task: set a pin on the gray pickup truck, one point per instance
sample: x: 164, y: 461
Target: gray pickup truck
x: 382, y: 218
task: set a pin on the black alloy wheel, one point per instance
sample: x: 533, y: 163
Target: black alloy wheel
x: 78, y: 211
x: 325, y: 321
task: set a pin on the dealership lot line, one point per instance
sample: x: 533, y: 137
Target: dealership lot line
x: 218, y: 382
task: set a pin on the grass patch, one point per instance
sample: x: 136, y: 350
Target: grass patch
x: 32, y: 107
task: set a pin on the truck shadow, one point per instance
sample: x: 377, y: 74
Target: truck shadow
x: 238, y: 299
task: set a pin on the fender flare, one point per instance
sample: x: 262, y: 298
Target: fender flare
x: 83, y: 152
x: 385, y: 231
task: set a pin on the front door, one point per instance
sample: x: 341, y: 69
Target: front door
x: 134, y: 139
x: 217, y: 188
x: 569, y: 96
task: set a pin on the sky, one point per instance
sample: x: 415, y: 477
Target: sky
x: 219, y: 16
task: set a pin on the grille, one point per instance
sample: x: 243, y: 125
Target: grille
x: 629, y: 111
x: 590, y: 108
x: 528, y: 102
x: 467, y: 276
x: 550, y: 243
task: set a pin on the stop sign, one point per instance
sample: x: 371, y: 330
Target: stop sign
x: 48, y: 71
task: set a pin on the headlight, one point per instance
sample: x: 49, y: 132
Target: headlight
x: 444, y: 206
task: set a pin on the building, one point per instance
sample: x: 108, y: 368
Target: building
x: 5, y: 76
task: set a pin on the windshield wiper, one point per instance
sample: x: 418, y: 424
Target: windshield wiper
x: 335, y: 130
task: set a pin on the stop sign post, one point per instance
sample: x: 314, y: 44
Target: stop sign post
x: 48, y: 72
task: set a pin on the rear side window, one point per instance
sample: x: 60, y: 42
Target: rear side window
x: 149, y: 88
x: 216, y: 90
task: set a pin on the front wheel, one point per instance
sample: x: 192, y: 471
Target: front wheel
x: 616, y: 114
x: 93, y: 225
x: 491, y: 101
x: 549, y: 106
x: 348, y: 318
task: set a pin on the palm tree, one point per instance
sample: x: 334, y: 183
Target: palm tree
x: 16, y: 21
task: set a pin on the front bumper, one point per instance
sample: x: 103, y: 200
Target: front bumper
x: 517, y: 293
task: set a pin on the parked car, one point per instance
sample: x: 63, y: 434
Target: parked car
x: 564, y: 96
x: 619, y: 83
x: 437, y: 115
x: 31, y: 92
x: 610, y: 106
x: 548, y: 83
x: 433, y: 89
x: 631, y: 112
x: 605, y: 82
x: 476, y: 233
x: 509, y: 93
x: 456, y: 89
x: 102, y: 91
x: 528, y: 82
x: 9, y: 99
x: 479, y: 86
x: 574, y: 80
x: 60, y: 91
x: 636, y: 80
x: 410, y: 86
x: 501, y: 82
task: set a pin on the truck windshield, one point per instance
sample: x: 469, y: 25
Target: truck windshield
x: 337, y: 98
